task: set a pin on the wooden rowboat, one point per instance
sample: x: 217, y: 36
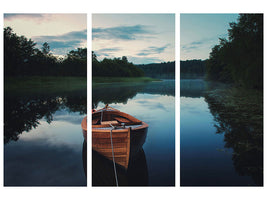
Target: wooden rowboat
x: 111, y: 133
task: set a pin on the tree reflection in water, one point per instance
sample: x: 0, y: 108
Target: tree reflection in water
x: 22, y: 113
x: 122, y: 92
x: 239, y: 115
x: 138, y: 172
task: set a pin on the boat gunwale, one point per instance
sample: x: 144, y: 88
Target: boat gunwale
x: 123, y: 114
x: 99, y: 130
x: 84, y: 123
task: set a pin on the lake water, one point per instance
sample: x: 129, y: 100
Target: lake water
x: 207, y: 158
x: 43, y: 138
x: 153, y: 103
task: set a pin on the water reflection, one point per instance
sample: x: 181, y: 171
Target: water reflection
x: 43, y: 139
x: 152, y: 158
x: 135, y: 175
x: 40, y: 162
x: 122, y: 92
x: 196, y: 88
x: 214, y: 133
x: 84, y: 156
x: 244, y: 136
x: 23, y: 113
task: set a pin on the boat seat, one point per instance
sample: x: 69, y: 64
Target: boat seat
x: 122, y: 120
x: 109, y: 122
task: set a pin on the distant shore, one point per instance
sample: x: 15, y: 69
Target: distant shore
x: 51, y: 83
x: 122, y: 79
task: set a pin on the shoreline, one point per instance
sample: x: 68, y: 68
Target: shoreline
x: 49, y: 83
x: 97, y: 80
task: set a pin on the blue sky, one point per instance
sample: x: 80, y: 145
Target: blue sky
x: 200, y: 32
x: 63, y: 32
x: 142, y: 38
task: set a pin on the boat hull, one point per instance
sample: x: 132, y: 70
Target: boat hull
x: 112, y: 143
x: 112, y: 134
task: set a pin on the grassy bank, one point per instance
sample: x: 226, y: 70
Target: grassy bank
x: 122, y: 79
x: 33, y: 83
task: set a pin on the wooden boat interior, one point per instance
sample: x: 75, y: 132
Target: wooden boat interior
x: 112, y: 117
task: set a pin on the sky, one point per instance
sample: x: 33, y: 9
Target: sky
x: 63, y: 32
x: 200, y: 32
x: 142, y: 38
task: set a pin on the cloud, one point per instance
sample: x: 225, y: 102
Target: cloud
x: 197, y: 43
x: 152, y: 50
x: 65, y: 116
x: 64, y: 44
x: 120, y: 32
x: 10, y: 16
x: 152, y: 105
x: 61, y: 44
x: 192, y: 45
x: 203, y: 43
x: 143, y: 60
x: 107, y: 51
x: 34, y: 163
x: 79, y: 35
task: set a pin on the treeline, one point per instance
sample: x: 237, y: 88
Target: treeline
x: 193, y: 68
x: 22, y: 58
x: 239, y: 59
x: 159, y: 70
x: 117, y: 67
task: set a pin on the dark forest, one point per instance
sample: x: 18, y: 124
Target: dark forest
x: 22, y: 58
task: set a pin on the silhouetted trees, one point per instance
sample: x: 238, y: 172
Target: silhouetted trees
x: 75, y: 61
x: 193, y: 67
x: 22, y: 58
x: 240, y: 58
x: 117, y: 67
x: 159, y: 70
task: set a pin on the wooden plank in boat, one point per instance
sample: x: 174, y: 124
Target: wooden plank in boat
x: 106, y: 141
x: 107, y: 135
x: 115, y: 150
x: 118, y: 159
x: 122, y: 120
x: 115, y: 145
x: 121, y: 145
x: 109, y: 122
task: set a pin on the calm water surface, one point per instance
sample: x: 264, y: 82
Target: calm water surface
x: 153, y: 103
x: 43, y: 139
x: 206, y: 159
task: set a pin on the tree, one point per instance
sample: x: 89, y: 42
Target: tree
x: 80, y: 53
x: 46, y: 49
x: 117, y: 67
x: 124, y: 59
x: 18, y: 53
x: 240, y: 58
x: 22, y: 58
x: 76, y: 63
x: 159, y: 70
